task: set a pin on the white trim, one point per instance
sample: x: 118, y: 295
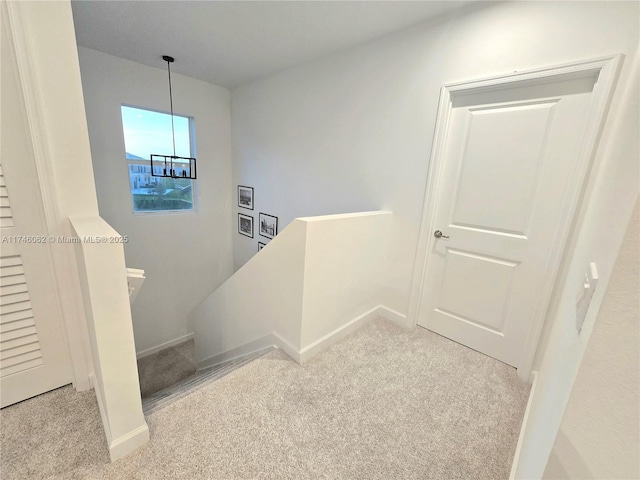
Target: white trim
x: 124, y: 444
x: 145, y: 213
x: 498, y: 81
x: 525, y: 419
x: 129, y: 442
x: 311, y: 350
x: 341, y: 216
x: 608, y: 69
x: 162, y: 346
x: 147, y: 162
x: 68, y: 298
x: 33, y: 104
x: 431, y: 195
x: 339, y: 333
x: 261, y: 344
x: 306, y: 353
x: 396, y: 317
x: 286, y: 347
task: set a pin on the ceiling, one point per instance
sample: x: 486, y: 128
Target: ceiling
x: 229, y: 43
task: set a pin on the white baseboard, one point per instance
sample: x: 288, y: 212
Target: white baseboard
x: 125, y: 444
x: 525, y: 420
x: 255, y: 346
x: 395, y: 317
x: 339, y: 333
x: 129, y: 442
x: 311, y: 350
x: 286, y: 347
x: 162, y: 346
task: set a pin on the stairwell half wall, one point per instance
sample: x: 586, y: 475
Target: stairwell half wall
x: 317, y: 280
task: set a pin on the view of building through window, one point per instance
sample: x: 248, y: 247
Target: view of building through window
x: 147, y: 132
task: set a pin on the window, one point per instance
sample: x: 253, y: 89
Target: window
x: 147, y: 132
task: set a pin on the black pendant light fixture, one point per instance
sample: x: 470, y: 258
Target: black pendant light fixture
x: 172, y: 166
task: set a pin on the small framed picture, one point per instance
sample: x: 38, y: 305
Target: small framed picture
x: 261, y: 245
x: 268, y: 225
x: 245, y: 225
x: 245, y: 197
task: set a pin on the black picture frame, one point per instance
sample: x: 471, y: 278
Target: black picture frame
x: 245, y: 225
x: 245, y: 197
x: 267, y: 225
x: 261, y: 245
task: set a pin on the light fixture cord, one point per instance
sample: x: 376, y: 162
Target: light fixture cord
x: 173, y: 132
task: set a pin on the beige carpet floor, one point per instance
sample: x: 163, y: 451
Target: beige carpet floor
x: 166, y: 367
x: 384, y: 403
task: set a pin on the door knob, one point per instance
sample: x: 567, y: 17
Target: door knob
x: 438, y: 234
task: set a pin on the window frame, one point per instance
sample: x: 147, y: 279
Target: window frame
x: 147, y: 162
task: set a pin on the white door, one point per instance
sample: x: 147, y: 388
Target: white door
x: 510, y: 155
x: 33, y: 350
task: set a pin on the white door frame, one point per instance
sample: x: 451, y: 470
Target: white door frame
x: 608, y: 69
x: 68, y: 293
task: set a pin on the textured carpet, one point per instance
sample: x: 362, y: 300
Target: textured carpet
x: 166, y: 367
x: 198, y: 380
x: 384, y: 403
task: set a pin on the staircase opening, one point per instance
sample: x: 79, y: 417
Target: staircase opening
x: 172, y: 373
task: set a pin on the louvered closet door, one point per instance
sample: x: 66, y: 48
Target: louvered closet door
x: 20, y: 345
x: 33, y: 349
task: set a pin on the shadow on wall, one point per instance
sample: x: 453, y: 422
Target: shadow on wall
x: 564, y: 453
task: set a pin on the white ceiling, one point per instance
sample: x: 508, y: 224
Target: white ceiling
x: 229, y: 43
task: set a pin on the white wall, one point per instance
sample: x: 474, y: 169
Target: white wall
x: 262, y: 297
x: 599, y: 434
x: 310, y: 285
x: 353, y: 131
x: 598, y: 234
x: 106, y: 302
x: 185, y: 255
x: 343, y: 270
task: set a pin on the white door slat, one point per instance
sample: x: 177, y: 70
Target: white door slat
x: 20, y: 367
x: 18, y: 320
x: 10, y: 261
x: 15, y: 307
x: 12, y: 280
x: 12, y: 270
x: 6, y: 300
x: 19, y: 350
x: 12, y: 289
x: 14, y: 343
x: 17, y: 333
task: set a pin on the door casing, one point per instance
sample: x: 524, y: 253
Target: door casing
x: 69, y: 295
x: 607, y: 69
